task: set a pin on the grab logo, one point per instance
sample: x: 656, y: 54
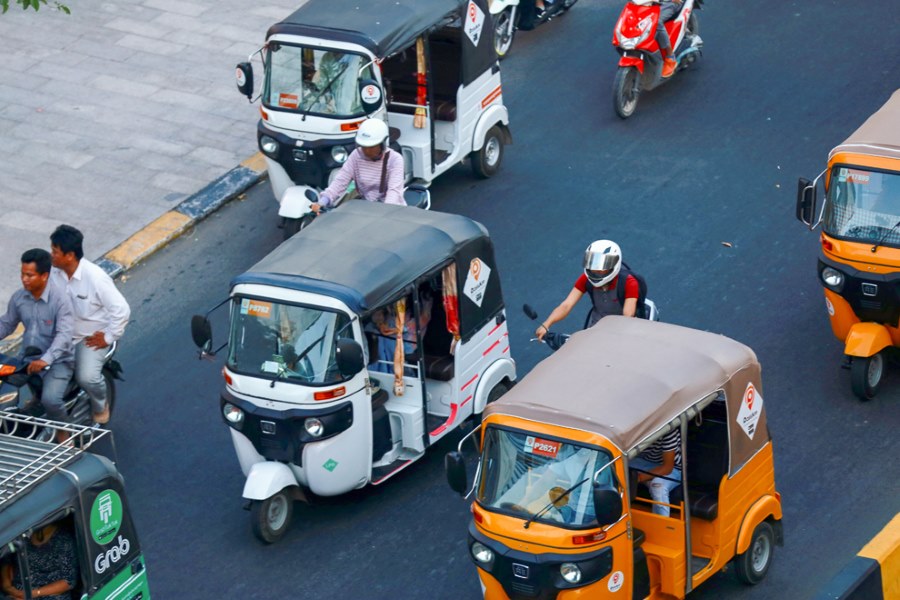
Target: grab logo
x: 107, y: 559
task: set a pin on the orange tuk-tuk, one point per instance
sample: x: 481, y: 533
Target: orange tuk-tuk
x: 558, y: 511
x: 860, y: 263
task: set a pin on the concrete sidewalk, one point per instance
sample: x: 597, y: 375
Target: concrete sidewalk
x: 113, y: 116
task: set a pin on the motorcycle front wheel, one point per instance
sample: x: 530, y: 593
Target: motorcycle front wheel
x: 626, y: 91
x: 504, y: 31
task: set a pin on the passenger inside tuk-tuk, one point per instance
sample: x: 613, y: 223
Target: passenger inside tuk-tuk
x: 52, y: 564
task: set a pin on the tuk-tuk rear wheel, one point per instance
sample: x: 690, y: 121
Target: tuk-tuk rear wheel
x: 486, y: 161
x: 271, y: 517
x: 866, y: 375
x: 751, y: 566
x: 626, y: 91
x: 494, y: 395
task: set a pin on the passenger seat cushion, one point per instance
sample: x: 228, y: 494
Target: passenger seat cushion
x: 439, y: 368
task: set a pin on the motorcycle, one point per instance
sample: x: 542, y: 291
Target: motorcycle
x: 553, y: 339
x: 20, y: 392
x: 641, y: 62
x: 507, y: 14
x: 300, y: 198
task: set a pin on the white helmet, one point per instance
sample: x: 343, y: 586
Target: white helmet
x: 372, y: 132
x: 602, y: 261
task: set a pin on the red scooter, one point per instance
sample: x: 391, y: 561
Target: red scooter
x: 641, y: 62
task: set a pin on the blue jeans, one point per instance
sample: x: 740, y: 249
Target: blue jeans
x: 56, y: 379
x: 659, y: 487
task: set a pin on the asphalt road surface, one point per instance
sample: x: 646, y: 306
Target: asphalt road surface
x: 711, y: 157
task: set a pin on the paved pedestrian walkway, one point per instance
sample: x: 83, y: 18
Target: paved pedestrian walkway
x: 113, y: 115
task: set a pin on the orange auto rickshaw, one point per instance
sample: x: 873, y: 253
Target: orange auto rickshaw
x: 557, y: 510
x: 860, y: 263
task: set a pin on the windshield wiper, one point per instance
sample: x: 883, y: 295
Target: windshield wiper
x: 884, y: 237
x: 553, y: 502
x: 325, y: 89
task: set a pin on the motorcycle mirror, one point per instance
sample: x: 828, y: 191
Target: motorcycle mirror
x: 311, y: 195
x: 243, y: 73
x: 370, y: 95
x: 201, y: 332
x: 529, y: 312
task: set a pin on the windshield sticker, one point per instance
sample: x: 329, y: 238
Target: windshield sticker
x: 541, y: 447
x: 751, y: 410
x: 476, y: 281
x: 371, y: 94
x: 106, y: 516
x: 288, y: 100
x: 615, y: 581
x: 255, y: 308
x: 474, y: 22
x: 846, y: 175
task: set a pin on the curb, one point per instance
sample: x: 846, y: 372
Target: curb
x: 874, y: 573
x: 158, y: 234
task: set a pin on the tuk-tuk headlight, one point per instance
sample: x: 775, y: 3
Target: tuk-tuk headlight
x: 269, y: 145
x: 570, y: 572
x: 314, y: 427
x: 482, y: 553
x: 339, y: 154
x: 832, y: 278
x: 232, y: 414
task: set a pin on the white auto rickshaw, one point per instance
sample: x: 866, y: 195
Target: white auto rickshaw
x: 354, y: 347
x: 427, y: 67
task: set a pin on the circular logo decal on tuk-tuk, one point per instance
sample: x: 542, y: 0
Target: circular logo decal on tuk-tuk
x: 371, y: 94
x: 615, y: 581
x: 240, y: 77
x: 106, y: 516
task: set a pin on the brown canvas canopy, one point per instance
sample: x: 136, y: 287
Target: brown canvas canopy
x: 879, y: 135
x: 630, y: 380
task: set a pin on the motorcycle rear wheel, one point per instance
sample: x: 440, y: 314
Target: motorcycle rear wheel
x: 626, y: 91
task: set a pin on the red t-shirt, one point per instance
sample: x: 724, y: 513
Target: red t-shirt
x: 632, y: 288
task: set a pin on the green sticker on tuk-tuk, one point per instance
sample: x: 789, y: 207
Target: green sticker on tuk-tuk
x: 330, y: 465
x: 106, y: 516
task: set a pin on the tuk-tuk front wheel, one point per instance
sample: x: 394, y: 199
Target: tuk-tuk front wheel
x: 271, y: 517
x: 866, y: 375
x: 626, y: 91
x: 751, y: 566
x: 486, y: 161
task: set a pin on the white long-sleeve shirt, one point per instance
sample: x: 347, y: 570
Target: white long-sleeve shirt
x: 97, y: 303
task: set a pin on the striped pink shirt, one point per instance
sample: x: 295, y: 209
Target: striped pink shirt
x: 367, y: 175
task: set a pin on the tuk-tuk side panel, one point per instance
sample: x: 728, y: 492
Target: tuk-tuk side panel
x: 126, y: 585
x: 478, y: 287
x: 664, y: 547
x: 478, y: 56
x: 474, y: 101
x: 748, y: 429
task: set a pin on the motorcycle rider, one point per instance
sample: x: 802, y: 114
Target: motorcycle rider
x: 101, y: 313
x: 376, y: 169
x: 667, y: 11
x: 602, y: 263
x: 44, y: 308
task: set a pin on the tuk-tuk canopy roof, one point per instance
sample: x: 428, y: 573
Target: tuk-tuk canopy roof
x: 627, y: 378
x: 53, y: 495
x: 365, y: 253
x: 382, y: 26
x: 879, y: 135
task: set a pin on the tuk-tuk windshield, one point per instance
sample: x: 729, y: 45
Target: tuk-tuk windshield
x: 285, y: 341
x: 521, y: 474
x: 863, y: 206
x: 313, y: 80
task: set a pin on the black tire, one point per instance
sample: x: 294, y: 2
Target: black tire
x: 110, y: 394
x: 498, y: 390
x: 486, y: 161
x: 693, y: 24
x: 504, y: 32
x: 270, y: 518
x: 626, y: 92
x: 293, y: 226
x: 566, y: 5
x: 751, y: 566
x: 866, y: 375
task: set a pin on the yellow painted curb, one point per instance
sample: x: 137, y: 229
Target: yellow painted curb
x: 885, y: 548
x: 149, y: 239
x: 257, y: 162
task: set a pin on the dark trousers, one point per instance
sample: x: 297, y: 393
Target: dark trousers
x: 527, y: 12
x: 667, y: 10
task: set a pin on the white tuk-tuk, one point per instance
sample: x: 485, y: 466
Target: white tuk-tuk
x: 427, y: 67
x: 356, y: 346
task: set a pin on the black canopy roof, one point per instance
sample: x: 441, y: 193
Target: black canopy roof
x: 364, y: 253
x: 382, y: 26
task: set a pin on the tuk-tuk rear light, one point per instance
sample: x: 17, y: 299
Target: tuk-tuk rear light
x: 264, y: 114
x: 330, y: 394
x: 590, y: 538
x: 476, y: 514
x: 350, y: 126
x: 7, y: 370
x: 827, y: 245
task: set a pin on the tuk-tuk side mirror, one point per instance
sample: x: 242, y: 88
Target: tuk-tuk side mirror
x: 607, y: 504
x: 370, y: 94
x: 455, y: 466
x: 201, y: 331
x: 806, y: 201
x: 243, y: 72
x: 349, y: 357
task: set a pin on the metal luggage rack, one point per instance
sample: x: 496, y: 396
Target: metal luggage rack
x: 26, y: 460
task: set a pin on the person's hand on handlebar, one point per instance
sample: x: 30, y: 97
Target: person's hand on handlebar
x: 315, y: 207
x: 540, y: 332
x: 36, y: 366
